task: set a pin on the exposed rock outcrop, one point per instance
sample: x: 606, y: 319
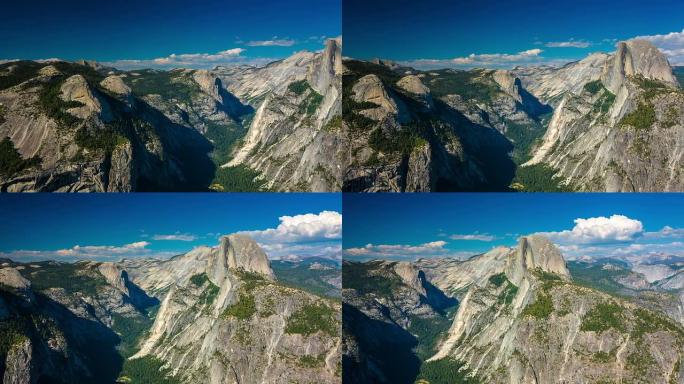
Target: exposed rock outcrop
x: 503, y: 330
x: 535, y: 252
x: 636, y: 58
x: 76, y: 89
x: 114, y: 276
x: 238, y: 252
x: 622, y: 129
x: 19, y: 364
x: 12, y: 278
x: 371, y: 90
x: 293, y: 139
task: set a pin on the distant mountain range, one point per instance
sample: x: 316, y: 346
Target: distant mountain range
x: 213, y: 315
x: 88, y: 128
x: 610, y: 122
x: 511, y: 315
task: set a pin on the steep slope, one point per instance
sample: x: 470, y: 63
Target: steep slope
x: 214, y: 315
x: 622, y: 130
x: 392, y: 319
x: 86, y: 132
x: 432, y: 131
x: 529, y: 323
x: 609, y: 122
x: 292, y: 139
x: 84, y: 127
x: 521, y: 318
x: 224, y: 318
x: 68, y: 323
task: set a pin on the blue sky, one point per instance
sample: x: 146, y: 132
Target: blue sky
x: 409, y: 226
x: 246, y: 31
x: 445, y: 33
x: 111, y: 226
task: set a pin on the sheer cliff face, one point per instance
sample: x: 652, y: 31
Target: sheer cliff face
x: 610, y: 122
x: 414, y: 131
x: 102, y: 129
x: 520, y: 318
x: 293, y: 138
x: 622, y: 131
x: 530, y: 324
x: 228, y: 321
x: 222, y: 318
x: 59, y: 322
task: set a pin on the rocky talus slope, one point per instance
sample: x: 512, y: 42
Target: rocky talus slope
x: 84, y: 127
x: 520, y: 318
x: 213, y: 315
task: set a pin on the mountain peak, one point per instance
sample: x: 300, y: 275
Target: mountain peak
x: 240, y: 252
x: 535, y: 252
x: 637, y: 57
x: 323, y: 71
x: 410, y: 275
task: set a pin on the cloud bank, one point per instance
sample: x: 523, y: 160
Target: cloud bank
x: 568, y: 44
x: 303, y: 235
x: 403, y: 251
x: 226, y: 57
x: 618, y: 236
x: 89, y: 252
x: 671, y: 44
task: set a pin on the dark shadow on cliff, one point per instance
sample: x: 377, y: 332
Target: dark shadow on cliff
x: 139, y: 298
x: 385, y: 350
x: 186, y: 164
x: 435, y: 297
x: 486, y: 146
x: 90, y: 356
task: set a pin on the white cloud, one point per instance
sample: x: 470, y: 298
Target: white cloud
x: 488, y: 60
x: 476, y: 236
x: 89, y: 252
x: 671, y: 44
x: 665, y: 232
x: 175, y: 237
x: 231, y: 56
x: 595, y: 230
x: 309, y: 227
x: 271, y: 43
x: 404, y: 252
x: 568, y: 44
x: 303, y: 235
x: 497, y: 58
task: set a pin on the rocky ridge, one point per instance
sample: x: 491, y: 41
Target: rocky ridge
x: 622, y: 130
x: 292, y: 139
x: 85, y: 127
x: 521, y: 318
x: 215, y: 314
